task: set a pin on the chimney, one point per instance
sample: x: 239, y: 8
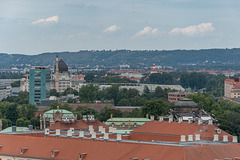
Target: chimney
x: 110, y: 129
x: 91, y: 131
x: 114, y: 130
x: 90, y: 127
x: 14, y: 128
x: 100, y: 128
x: 69, y: 134
x: 189, y: 120
x: 72, y: 130
x: 93, y: 136
x: 197, y: 137
x: 210, y: 122
x: 170, y: 119
x: 160, y: 118
x: 199, y: 121
x: 58, y: 133
x: 30, y: 127
x: 215, y: 137
x: 0, y: 125
x: 190, y: 137
x: 81, y: 134
x: 103, y: 130
x: 225, y: 138
x: 105, y: 137
x: 91, y: 118
x: 180, y: 119
x: 152, y: 117
x: 119, y: 137
x: 183, y: 138
x: 85, y: 118
x: 46, y: 132
x: 235, y: 139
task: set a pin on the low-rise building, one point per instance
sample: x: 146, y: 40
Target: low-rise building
x: 176, y: 96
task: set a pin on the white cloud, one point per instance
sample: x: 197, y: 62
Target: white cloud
x: 193, y: 30
x: 147, y: 31
x: 112, y: 28
x: 49, y: 20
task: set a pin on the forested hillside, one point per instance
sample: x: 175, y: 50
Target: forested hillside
x: 213, y: 58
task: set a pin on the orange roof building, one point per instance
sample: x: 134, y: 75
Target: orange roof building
x: 77, y: 125
x: 172, y: 131
x: 62, y: 148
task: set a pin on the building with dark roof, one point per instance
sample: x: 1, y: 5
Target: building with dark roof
x: 188, y: 109
x: 62, y: 76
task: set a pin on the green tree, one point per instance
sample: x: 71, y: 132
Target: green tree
x: 89, y: 77
x: 12, y: 112
x: 159, y: 92
x: 20, y: 122
x: 156, y: 107
x: 88, y: 93
x: 4, y: 123
x: 15, y: 84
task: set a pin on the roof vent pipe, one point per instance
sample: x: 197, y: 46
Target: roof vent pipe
x: 14, y: 128
x: 30, y: 127
x: 170, y: 119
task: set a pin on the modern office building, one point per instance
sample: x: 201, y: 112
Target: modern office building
x: 39, y: 87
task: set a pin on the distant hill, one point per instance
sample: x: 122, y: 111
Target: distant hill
x: 179, y: 58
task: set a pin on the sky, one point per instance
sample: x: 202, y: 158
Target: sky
x: 38, y: 26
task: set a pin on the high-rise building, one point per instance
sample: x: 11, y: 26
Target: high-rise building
x: 39, y: 85
x: 62, y: 76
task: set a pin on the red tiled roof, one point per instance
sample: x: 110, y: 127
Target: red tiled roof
x: 79, y: 124
x: 69, y: 149
x: 167, y: 131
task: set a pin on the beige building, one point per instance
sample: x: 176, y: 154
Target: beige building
x: 232, y: 88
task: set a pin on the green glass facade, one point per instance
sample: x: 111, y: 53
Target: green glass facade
x: 39, y: 87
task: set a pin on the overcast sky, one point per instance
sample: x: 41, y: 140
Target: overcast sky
x: 37, y: 26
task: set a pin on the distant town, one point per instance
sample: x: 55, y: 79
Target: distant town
x: 160, y: 109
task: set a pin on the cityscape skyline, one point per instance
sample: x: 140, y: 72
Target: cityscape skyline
x: 49, y: 26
